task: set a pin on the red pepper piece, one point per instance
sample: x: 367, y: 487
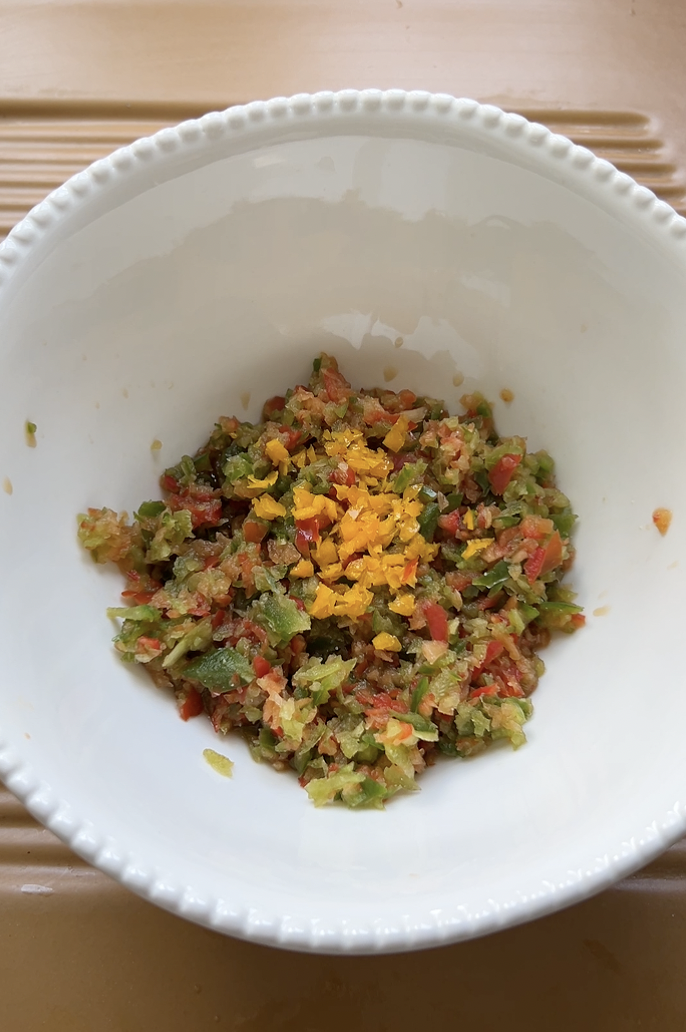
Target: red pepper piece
x: 493, y: 650
x: 534, y: 565
x: 489, y: 689
x: 450, y: 523
x: 255, y: 530
x: 307, y: 532
x: 292, y: 437
x: 336, y: 386
x: 544, y: 559
x: 410, y: 570
x: 407, y: 399
x: 553, y: 553
x: 437, y: 620
x: 200, y: 501
x: 217, y: 619
x: 261, y: 666
x: 501, y: 474
x: 141, y: 598
x: 193, y: 706
x: 273, y: 406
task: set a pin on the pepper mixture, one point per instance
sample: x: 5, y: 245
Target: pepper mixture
x: 360, y: 582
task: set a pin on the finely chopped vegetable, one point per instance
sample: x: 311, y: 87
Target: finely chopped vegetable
x: 359, y: 583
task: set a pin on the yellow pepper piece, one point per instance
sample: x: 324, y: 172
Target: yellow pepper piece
x: 354, y: 602
x: 396, y: 559
x: 326, y: 553
x: 306, y: 505
x: 323, y: 603
x: 395, y: 577
x: 262, y: 485
x: 404, y: 605
x: 357, y: 568
x: 469, y: 519
x: 419, y: 547
x: 330, y: 573
x: 364, y: 460
x: 412, y: 508
x: 267, y: 508
x: 276, y: 452
x: 395, y: 438
x: 341, y: 439
x: 386, y: 643
x: 477, y: 545
x: 302, y: 569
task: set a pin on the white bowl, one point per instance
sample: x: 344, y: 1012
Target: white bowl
x: 196, y: 274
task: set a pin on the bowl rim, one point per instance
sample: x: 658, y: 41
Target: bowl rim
x: 548, y: 150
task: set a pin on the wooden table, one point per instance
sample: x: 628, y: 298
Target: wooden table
x: 77, y: 80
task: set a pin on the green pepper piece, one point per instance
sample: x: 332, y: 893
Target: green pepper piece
x: 321, y: 679
x: 527, y: 613
x: 220, y: 669
x: 502, y: 522
x: 136, y: 613
x: 183, y: 472
x: 563, y: 522
x: 370, y: 793
x: 202, y: 463
x: 559, y: 607
x: 410, y: 471
x: 419, y: 693
x: 148, y: 510
x: 237, y: 466
x: 428, y: 494
x: 280, y: 617
x: 428, y: 520
x: 493, y: 578
x: 418, y: 722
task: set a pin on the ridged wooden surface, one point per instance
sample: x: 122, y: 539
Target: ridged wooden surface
x: 78, y: 953
x: 37, y: 154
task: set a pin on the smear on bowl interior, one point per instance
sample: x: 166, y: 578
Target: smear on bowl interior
x: 662, y: 518
x: 359, y: 583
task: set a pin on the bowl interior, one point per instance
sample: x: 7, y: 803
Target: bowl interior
x: 205, y: 286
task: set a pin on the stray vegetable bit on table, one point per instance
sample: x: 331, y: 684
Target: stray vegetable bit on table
x: 359, y: 583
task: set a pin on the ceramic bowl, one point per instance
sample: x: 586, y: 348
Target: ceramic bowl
x: 195, y: 274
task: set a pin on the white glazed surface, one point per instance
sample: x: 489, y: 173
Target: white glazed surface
x: 148, y: 295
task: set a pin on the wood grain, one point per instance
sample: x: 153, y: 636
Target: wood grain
x: 37, y: 153
x: 81, y: 77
